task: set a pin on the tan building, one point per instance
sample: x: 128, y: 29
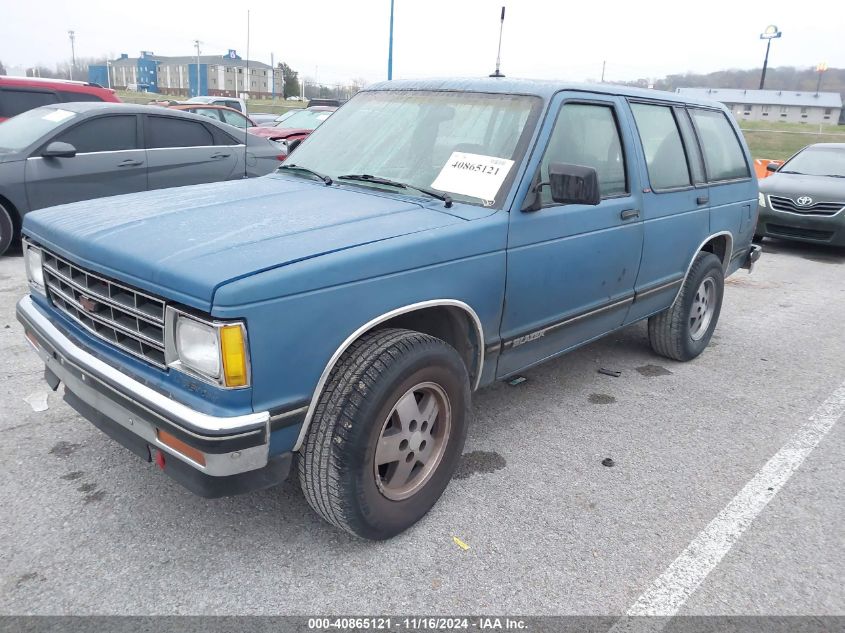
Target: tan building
x: 774, y: 105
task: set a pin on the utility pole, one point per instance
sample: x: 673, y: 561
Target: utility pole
x: 72, y: 35
x: 769, y: 34
x: 820, y: 69
x: 603, y: 64
x: 390, y: 46
x: 197, y: 45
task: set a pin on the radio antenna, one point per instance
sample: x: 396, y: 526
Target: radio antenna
x: 499, y: 53
x: 246, y: 94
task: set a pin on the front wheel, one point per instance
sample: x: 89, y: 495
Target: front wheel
x: 682, y: 331
x: 387, y: 433
x: 7, y: 229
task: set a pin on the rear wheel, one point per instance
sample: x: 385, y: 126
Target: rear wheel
x: 683, y: 330
x: 7, y: 229
x: 387, y: 433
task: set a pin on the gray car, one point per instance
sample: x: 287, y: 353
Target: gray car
x: 78, y: 151
x: 804, y: 199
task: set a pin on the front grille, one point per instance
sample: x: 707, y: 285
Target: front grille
x: 123, y: 316
x: 780, y: 203
x: 793, y: 231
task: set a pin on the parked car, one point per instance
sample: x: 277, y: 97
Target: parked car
x: 277, y: 119
x: 19, y: 94
x: 429, y: 239
x: 78, y: 151
x: 334, y: 103
x: 260, y: 118
x: 221, y: 113
x: 230, y: 102
x: 291, y: 129
x: 804, y: 199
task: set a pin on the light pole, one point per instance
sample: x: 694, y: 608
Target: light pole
x: 197, y: 45
x: 72, y: 35
x: 820, y: 69
x: 390, y: 46
x: 769, y: 34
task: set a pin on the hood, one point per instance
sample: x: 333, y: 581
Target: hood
x: 184, y: 243
x: 10, y: 157
x: 279, y: 132
x: 819, y: 188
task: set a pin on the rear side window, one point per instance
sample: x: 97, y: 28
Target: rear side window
x: 664, y: 151
x: 14, y: 101
x: 173, y: 132
x: 587, y: 134
x: 723, y: 154
x: 77, y: 96
x: 103, y: 134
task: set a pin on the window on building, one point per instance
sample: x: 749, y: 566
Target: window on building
x: 764, y: 109
x: 747, y: 108
x: 599, y: 148
x: 723, y: 155
x: 173, y: 132
x: 784, y: 110
x: 664, y: 151
x: 103, y: 134
x: 827, y: 111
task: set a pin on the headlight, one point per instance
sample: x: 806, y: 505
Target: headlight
x: 198, y: 347
x: 215, y: 352
x: 34, y: 270
x: 761, y: 199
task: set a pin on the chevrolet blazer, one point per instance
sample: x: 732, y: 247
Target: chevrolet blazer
x: 431, y: 237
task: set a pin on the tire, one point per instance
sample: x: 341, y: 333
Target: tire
x: 356, y: 419
x: 682, y: 331
x: 757, y: 239
x: 7, y: 229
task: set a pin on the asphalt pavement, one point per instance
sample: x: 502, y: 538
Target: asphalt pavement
x: 87, y: 528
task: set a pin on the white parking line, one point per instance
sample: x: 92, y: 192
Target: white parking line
x: 668, y: 593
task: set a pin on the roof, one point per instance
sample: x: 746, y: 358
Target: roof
x: 84, y: 107
x: 218, y: 60
x: 545, y: 88
x: 766, y: 97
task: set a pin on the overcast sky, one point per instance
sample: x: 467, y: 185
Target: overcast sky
x: 338, y: 40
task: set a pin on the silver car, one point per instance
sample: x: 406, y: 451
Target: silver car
x: 78, y: 151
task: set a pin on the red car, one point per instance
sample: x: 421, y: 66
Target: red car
x: 19, y: 94
x: 294, y: 127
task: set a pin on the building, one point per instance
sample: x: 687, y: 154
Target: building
x: 219, y: 75
x: 774, y: 105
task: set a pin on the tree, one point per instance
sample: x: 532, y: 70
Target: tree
x: 291, y: 80
x: 2, y: 69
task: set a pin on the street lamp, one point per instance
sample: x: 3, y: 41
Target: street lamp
x: 72, y: 35
x: 769, y: 34
x: 821, y: 68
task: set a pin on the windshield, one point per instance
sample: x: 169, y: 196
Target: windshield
x: 23, y: 130
x: 305, y: 119
x: 462, y: 143
x: 818, y: 161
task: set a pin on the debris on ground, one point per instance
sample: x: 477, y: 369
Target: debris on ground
x: 610, y: 372
x: 608, y: 461
x: 460, y: 543
x: 37, y: 400
x: 517, y: 380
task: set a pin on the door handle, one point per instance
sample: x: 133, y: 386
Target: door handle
x: 220, y: 155
x: 702, y: 199
x: 627, y: 214
x: 130, y: 163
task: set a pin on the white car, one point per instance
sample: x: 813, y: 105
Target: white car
x: 229, y: 102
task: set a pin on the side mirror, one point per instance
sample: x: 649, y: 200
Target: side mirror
x: 573, y: 184
x: 57, y: 149
x: 772, y: 167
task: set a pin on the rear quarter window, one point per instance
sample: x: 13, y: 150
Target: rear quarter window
x: 13, y: 101
x: 173, y: 132
x: 723, y: 155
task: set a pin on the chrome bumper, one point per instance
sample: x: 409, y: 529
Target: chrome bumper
x: 230, y: 445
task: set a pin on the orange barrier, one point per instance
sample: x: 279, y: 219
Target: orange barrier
x: 760, y: 165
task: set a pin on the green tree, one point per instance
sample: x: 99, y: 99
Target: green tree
x: 291, y: 80
x: 2, y: 69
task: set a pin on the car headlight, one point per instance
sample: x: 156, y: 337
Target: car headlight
x: 761, y: 199
x: 215, y: 352
x: 34, y: 269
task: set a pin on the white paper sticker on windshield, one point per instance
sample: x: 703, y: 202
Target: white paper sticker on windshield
x: 57, y: 116
x: 473, y: 175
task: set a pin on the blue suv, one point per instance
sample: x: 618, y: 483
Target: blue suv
x: 430, y: 238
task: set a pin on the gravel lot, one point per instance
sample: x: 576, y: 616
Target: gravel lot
x: 89, y: 529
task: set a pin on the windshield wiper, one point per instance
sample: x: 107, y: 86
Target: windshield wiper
x: 797, y: 173
x: 834, y: 176
x: 323, y: 177
x: 378, y: 180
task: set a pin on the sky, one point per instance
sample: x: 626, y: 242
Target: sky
x: 336, y: 41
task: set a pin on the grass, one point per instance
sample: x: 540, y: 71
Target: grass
x: 776, y: 140
x: 278, y: 106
